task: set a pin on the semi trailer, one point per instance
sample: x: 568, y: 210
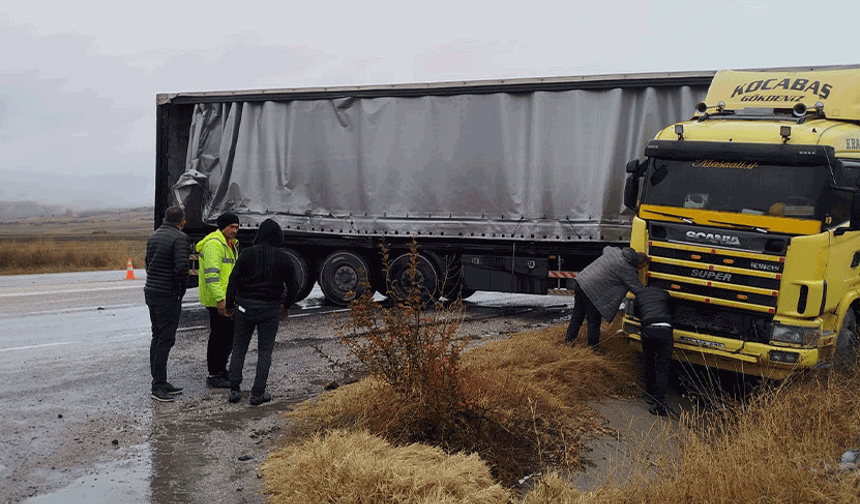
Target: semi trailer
x: 506, y: 185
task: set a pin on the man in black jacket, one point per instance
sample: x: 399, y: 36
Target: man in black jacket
x: 167, y: 252
x: 652, y: 307
x: 262, y: 287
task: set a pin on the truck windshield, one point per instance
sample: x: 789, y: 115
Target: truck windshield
x: 739, y: 187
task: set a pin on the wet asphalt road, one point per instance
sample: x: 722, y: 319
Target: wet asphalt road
x: 77, y: 421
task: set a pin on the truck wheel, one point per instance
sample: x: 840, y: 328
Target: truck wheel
x: 342, y: 277
x: 305, y: 278
x: 847, y: 341
x: 426, y: 278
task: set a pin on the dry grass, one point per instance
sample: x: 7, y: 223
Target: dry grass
x: 68, y: 243
x: 524, y: 408
x: 344, y: 467
x: 783, y: 446
x: 53, y: 256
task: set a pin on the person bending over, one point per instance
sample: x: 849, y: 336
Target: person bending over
x: 600, y: 288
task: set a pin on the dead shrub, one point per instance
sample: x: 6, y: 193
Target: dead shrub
x: 414, y: 351
x: 524, y: 408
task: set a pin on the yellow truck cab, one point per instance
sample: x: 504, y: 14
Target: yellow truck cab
x: 750, y: 216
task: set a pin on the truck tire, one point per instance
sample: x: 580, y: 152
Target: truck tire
x: 427, y: 278
x: 305, y: 276
x: 847, y: 341
x: 343, y: 273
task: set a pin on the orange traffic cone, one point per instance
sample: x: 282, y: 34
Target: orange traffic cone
x: 129, y: 272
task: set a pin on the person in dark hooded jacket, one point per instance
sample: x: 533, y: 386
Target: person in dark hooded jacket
x: 653, y: 309
x: 262, y: 287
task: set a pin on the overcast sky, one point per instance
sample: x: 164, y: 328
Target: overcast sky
x: 78, y: 79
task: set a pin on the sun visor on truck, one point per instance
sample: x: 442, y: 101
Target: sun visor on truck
x: 777, y: 154
x: 838, y: 90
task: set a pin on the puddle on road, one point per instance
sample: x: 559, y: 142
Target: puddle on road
x: 167, y: 468
x: 126, y: 480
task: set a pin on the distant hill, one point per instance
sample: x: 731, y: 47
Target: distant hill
x: 24, y: 209
x: 16, y: 210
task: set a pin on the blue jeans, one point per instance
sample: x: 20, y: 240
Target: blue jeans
x: 249, y: 315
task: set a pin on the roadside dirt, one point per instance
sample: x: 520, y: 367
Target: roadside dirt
x: 124, y: 447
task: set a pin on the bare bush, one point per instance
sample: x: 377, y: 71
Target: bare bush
x: 413, y: 350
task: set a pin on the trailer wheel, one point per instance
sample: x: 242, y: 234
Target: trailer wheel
x: 341, y: 277
x: 305, y: 277
x: 847, y: 341
x: 426, y: 278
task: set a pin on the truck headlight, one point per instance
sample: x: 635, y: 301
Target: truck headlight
x: 794, y: 334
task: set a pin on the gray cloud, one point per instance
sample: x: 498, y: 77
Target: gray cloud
x: 78, y: 81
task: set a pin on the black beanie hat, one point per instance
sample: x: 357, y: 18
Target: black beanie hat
x: 270, y: 232
x: 225, y: 219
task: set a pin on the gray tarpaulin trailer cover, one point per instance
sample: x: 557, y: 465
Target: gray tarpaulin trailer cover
x: 509, y: 186
x: 542, y: 165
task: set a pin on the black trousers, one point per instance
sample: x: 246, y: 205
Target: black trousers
x: 657, y: 344
x: 583, y: 309
x: 164, y: 314
x: 265, y: 317
x: 220, y: 342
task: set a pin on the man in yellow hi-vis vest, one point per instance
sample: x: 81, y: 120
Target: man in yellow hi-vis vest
x: 218, y: 252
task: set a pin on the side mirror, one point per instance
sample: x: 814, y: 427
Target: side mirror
x: 631, y: 187
x: 631, y: 191
x: 632, y: 166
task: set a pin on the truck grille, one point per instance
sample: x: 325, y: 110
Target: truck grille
x: 724, y: 291
x: 725, y: 323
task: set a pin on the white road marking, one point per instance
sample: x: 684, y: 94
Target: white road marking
x: 186, y: 329
x: 30, y: 347
x: 55, y: 292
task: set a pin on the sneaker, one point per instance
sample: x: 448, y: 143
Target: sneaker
x: 162, y: 395
x: 256, y: 400
x: 170, y: 389
x: 218, y: 381
x: 235, y: 396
